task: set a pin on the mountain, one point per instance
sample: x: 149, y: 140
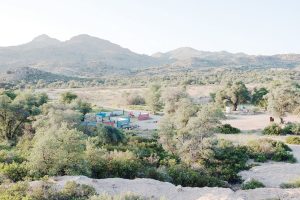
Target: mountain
x: 87, y: 56
x: 189, y: 57
x: 82, y: 55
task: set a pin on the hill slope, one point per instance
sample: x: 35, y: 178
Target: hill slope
x: 81, y: 55
x: 32, y: 75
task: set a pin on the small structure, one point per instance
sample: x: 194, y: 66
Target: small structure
x: 117, y: 113
x: 123, y: 122
x: 131, y: 114
x: 143, y: 116
x: 228, y: 109
x: 90, y: 117
x: 109, y: 123
x: 85, y: 123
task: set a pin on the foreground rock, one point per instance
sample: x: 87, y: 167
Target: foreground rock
x: 156, y: 189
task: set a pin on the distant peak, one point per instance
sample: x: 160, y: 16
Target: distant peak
x: 43, y: 37
x: 84, y: 37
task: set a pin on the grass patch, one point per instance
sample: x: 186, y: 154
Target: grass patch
x: 293, y: 140
x: 252, y: 184
x: 293, y: 184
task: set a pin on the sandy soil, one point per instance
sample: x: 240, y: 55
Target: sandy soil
x: 254, y: 122
x: 156, y: 189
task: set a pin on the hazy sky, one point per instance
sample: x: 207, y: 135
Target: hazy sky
x: 148, y: 26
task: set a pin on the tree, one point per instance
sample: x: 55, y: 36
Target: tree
x: 14, y: 113
x: 282, y: 99
x: 58, y: 152
x: 171, y: 98
x: 258, y: 97
x: 199, y: 128
x: 184, y: 131
x: 234, y: 93
x: 68, y: 97
x: 153, y: 98
x: 83, y: 107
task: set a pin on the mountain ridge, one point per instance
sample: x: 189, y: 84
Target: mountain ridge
x: 88, y: 56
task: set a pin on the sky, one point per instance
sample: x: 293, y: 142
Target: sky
x: 150, y: 26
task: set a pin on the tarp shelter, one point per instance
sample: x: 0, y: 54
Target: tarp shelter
x: 123, y: 122
x: 143, y: 116
x: 117, y: 113
x: 103, y: 114
x: 109, y: 123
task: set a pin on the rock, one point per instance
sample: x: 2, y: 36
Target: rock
x: 157, y: 189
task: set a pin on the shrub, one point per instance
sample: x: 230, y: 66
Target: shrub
x: 296, y: 128
x: 73, y: 190
x: 287, y: 129
x: 9, y: 156
x: 182, y: 175
x: 224, y: 161
x: 228, y: 129
x: 160, y: 174
x: 113, y: 164
x: 265, y: 149
x: 134, y: 99
x: 46, y: 191
x: 109, y: 135
x: 292, y: 129
x: 16, y: 191
x: 293, y: 140
x: 67, y: 97
x: 273, y: 129
x: 252, y: 184
x: 294, y: 184
x: 13, y: 171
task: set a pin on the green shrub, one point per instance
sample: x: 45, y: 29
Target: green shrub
x: 252, y: 184
x: 293, y: 140
x: 296, y: 128
x: 9, y: 156
x: 292, y: 129
x: 73, y: 190
x: 18, y: 191
x: 287, y: 129
x: 184, y: 176
x: 228, y: 129
x: 273, y: 129
x: 224, y: 161
x: 265, y: 149
x: 113, y: 164
x: 160, y: 174
x: 14, y: 171
x: 109, y: 135
x: 46, y: 191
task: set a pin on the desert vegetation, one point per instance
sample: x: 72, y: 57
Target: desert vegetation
x: 45, y: 136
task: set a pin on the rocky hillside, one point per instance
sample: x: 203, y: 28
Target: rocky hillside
x: 155, y: 189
